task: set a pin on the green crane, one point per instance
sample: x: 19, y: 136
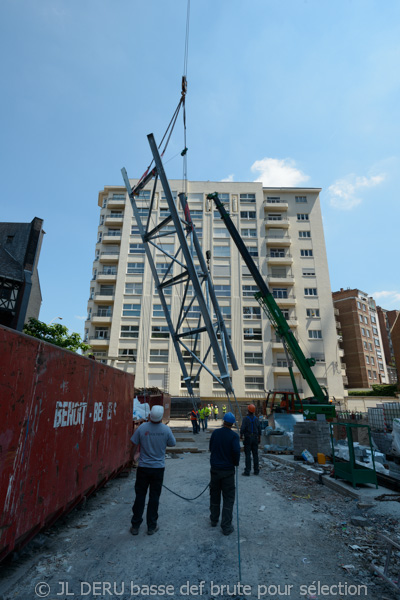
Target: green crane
x: 319, y: 403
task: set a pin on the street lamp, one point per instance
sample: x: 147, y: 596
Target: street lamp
x: 55, y: 318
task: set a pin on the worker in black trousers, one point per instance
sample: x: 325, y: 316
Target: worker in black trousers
x: 250, y: 433
x: 225, y: 456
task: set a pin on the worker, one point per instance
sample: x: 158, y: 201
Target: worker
x: 201, y: 418
x: 250, y: 432
x: 153, y: 438
x: 225, y: 456
x: 223, y: 410
x: 194, y: 415
x: 215, y: 409
x: 207, y: 413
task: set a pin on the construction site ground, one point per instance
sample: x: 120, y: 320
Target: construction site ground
x: 298, y: 539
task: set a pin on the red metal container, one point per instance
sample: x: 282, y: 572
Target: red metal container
x: 65, y: 428
x: 161, y: 399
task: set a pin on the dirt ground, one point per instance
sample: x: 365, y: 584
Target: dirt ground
x: 297, y: 540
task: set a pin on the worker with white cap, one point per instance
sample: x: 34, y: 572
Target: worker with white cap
x: 153, y: 437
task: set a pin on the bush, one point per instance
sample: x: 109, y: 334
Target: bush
x: 377, y: 390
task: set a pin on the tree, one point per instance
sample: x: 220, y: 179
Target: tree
x: 56, y: 334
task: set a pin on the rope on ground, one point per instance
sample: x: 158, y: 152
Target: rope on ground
x: 183, y: 497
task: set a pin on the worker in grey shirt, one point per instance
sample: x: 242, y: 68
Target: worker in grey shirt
x: 153, y: 437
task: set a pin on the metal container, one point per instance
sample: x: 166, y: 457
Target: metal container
x: 65, y: 428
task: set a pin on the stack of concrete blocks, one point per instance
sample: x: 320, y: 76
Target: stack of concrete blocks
x: 313, y: 436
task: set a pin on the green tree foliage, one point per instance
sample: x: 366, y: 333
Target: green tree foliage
x: 56, y: 334
x: 377, y: 390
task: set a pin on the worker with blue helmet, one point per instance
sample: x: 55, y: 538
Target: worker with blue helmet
x: 225, y: 456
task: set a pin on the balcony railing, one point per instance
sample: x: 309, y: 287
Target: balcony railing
x: 113, y: 253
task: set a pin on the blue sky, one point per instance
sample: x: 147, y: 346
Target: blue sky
x: 291, y: 92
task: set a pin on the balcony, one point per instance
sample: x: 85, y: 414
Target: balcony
x: 109, y: 257
x: 116, y: 203
x: 275, y: 222
x: 113, y: 220
x: 96, y: 343
x: 103, y: 298
x: 289, y: 301
x: 281, y: 368
x: 279, y: 241
x: 278, y: 206
x: 112, y: 238
x: 285, y: 280
x: 287, y: 259
x: 104, y: 277
x: 101, y: 319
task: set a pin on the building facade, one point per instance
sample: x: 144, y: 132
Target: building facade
x: 282, y: 229
x: 387, y: 319
x: 361, y: 338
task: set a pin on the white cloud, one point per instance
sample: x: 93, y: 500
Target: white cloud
x: 275, y: 172
x: 229, y: 178
x: 388, y: 299
x: 80, y: 318
x: 343, y: 194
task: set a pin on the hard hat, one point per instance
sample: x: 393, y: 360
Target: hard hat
x: 156, y: 413
x: 251, y: 408
x: 229, y: 417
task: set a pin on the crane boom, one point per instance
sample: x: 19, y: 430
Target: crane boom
x: 271, y: 308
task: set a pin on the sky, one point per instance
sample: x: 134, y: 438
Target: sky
x: 288, y: 92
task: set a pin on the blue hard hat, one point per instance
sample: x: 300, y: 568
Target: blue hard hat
x: 229, y: 417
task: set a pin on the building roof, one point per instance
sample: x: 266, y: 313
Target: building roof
x: 18, y: 243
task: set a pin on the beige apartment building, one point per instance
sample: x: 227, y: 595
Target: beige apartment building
x: 361, y: 338
x: 282, y: 228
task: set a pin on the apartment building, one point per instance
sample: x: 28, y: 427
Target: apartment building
x: 361, y: 338
x: 387, y: 319
x: 282, y: 228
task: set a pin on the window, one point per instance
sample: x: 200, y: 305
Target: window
x: 372, y: 360
x: 135, y: 289
x: 248, y: 214
x: 158, y: 310
x: 195, y: 197
x: 308, y: 253
x: 277, y: 253
x: 101, y: 333
x: 374, y: 331
x: 99, y: 236
x: 314, y: 334
x: 222, y: 251
x: 274, y: 217
x: 114, y: 232
x: 169, y: 248
x: 362, y: 331
x: 302, y: 216
x: 196, y: 214
x: 301, y: 199
x: 195, y: 384
x: 251, y: 198
x: 158, y: 356
x: 366, y: 346
x: 304, y: 234
x: 97, y: 255
x: 136, y: 249
x: 248, y: 232
x: 162, y: 268
x: 222, y: 270
x: 378, y: 352
x: 280, y: 292
x: 313, y: 313
x: 380, y: 365
x: 367, y: 360
x: 369, y: 374
x: 310, y: 292
x: 222, y: 290
x: 249, y: 290
x: 370, y: 346
x: 319, y: 358
x: 364, y: 307
x: 251, y: 312
x: 106, y: 290
x: 359, y: 305
x: 131, y: 310
x: 129, y: 331
x: 135, y: 268
x: 253, y: 358
x: 373, y: 319
x: 221, y: 232
x: 285, y: 313
x: 252, y: 333
x: 130, y: 353
x: 368, y: 333
x: 144, y: 195
x: 188, y: 357
x: 377, y: 344
x: 254, y: 383
x: 273, y: 199
x: 361, y: 318
x: 310, y: 272
x: 374, y: 374
x: 164, y: 213
x: 193, y: 312
x: 366, y: 320
x: 160, y: 332
x: 253, y: 250
x: 104, y: 311
x: 101, y: 221
x: 225, y: 311
x: 109, y: 271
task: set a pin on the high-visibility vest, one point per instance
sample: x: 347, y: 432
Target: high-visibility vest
x: 207, y: 411
x: 215, y: 410
x: 201, y: 413
x: 193, y: 415
x: 224, y: 409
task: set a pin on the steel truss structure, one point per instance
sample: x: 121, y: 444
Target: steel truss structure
x: 188, y: 269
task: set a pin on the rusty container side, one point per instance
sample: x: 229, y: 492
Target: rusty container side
x: 66, y: 423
